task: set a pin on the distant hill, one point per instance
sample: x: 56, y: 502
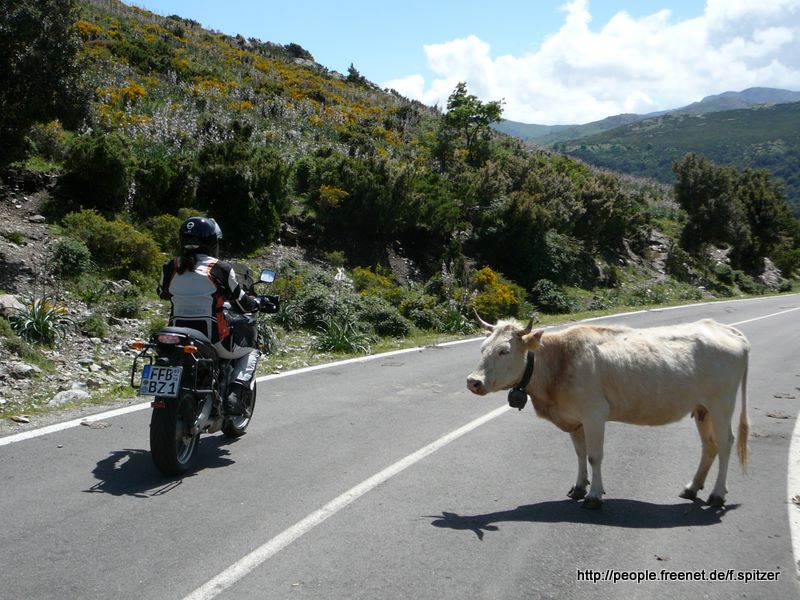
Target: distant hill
x: 764, y: 136
x: 549, y: 135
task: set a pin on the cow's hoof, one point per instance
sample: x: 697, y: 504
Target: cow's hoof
x: 577, y: 493
x: 715, y: 501
x: 592, y: 503
x: 688, y: 494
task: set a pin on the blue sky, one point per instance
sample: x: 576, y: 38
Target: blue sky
x: 551, y: 61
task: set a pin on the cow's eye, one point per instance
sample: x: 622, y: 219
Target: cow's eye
x: 503, y: 351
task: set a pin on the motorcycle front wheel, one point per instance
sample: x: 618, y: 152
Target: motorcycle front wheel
x: 234, y: 426
x: 172, y: 443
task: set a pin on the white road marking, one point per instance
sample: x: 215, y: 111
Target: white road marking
x: 793, y: 490
x: 783, y: 312
x: 263, y: 553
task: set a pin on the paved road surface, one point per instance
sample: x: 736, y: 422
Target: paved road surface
x: 479, y: 514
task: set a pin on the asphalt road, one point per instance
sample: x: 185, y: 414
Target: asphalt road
x: 351, y: 483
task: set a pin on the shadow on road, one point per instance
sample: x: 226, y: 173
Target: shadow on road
x: 615, y: 513
x: 131, y: 472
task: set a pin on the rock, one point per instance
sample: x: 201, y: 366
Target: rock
x: 21, y: 369
x: 37, y: 219
x: 86, y: 362
x: 62, y: 398
x: 9, y: 305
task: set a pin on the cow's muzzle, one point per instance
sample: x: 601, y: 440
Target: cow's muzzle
x: 475, y: 385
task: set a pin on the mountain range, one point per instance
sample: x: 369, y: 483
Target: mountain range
x: 754, y: 128
x: 548, y: 135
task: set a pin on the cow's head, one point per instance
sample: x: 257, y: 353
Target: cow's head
x: 503, y: 356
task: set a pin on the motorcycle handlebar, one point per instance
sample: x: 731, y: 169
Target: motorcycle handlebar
x: 269, y: 304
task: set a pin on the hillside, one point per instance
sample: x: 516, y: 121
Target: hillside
x: 765, y: 137
x: 549, y: 135
x: 385, y: 219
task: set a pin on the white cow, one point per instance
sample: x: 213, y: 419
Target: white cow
x: 586, y: 375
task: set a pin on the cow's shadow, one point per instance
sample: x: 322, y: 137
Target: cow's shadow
x: 631, y: 514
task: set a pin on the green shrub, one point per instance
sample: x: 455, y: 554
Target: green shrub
x: 550, y: 298
x: 496, y: 297
x: 377, y: 281
x: 71, y: 258
x: 115, y: 245
x: 165, y: 231
x: 289, y: 314
x: 747, y: 284
x: 266, y: 333
x: 91, y: 288
x: 41, y: 321
x: 677, y: 263
x: 6, y: 330
x: 644, y: 295
x: 161, y: 181
x: 48, y: 141
x: 383, y: 317
x: 341, y: 334
x: 724, y: 273
x: 15, y: 237
x: 125, y: 302
x: 315, y: 304
x: 97, y: 172
x: 94, y: 325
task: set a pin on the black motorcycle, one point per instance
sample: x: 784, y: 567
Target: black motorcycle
x: 188, y: 382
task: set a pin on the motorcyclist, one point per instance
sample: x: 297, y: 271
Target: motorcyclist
x: 198, y: 284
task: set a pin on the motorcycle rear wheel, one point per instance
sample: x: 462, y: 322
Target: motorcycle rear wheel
x: 172, y: 444
x: 234, y: 426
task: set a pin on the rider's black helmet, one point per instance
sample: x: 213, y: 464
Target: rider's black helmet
x: 200, y: 235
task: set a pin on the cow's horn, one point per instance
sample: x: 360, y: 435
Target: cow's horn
x: 528, y: 329
x: 483, y: 323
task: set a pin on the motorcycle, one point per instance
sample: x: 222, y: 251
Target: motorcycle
x: 188, y: 382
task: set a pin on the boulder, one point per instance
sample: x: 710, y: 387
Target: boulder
x: 9, y: 305
x: 64, y: 397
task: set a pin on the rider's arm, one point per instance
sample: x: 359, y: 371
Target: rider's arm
x: 167, y: 273
x: 239, y: 299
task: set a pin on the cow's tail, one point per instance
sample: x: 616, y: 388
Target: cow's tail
x: 744, y: 425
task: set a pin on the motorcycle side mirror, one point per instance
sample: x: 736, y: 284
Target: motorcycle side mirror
x: 267, y: 276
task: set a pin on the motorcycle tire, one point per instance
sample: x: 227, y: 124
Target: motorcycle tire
x: 172, y: 445
x: 234, y: 426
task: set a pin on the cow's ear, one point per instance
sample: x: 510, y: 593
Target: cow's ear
x: 533, y: 340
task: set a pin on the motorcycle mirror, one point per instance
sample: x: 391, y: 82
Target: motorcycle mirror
x: 267, y: 276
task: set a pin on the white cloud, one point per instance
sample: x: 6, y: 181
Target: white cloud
x: 640, y: 65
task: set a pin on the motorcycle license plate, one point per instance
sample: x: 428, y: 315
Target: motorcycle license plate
x: 160, y: 381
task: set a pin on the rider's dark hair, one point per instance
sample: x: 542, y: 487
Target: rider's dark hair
x: 187, y: 261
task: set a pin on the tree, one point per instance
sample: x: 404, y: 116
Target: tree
x: 745, y: 209
x: 469, y: 118
x: 708, y: 195
x: 38, y: 68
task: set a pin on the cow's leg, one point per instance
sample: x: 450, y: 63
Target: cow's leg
x: 721, y: 422
x: 594, y: 431
x: 707, y: 455
x: 578, y: 490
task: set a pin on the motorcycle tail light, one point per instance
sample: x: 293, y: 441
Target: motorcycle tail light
x: 168, y: 338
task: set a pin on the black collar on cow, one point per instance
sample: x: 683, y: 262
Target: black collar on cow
x: 517, y: 396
